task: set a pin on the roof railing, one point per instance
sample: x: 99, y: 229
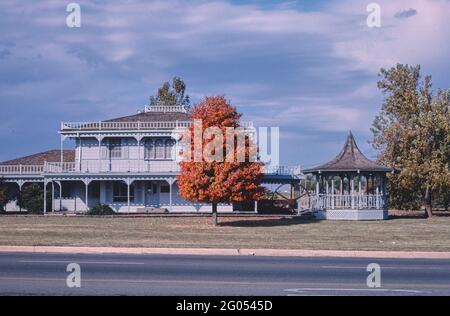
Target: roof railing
x: 165, y: 108
x: 138, y: 125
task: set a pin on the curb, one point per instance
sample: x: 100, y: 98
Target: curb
x: 228, y: 252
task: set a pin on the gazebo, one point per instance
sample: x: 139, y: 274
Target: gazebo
x: 350, y: 187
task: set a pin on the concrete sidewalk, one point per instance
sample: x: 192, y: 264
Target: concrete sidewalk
x: 228, y: 252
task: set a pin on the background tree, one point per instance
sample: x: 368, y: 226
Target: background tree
x: 216, y: 181
x: 171, y: 94
x: 32, y: 198
x: 411, y: 134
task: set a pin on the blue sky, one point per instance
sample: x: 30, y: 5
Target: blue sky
x: 309, y: 67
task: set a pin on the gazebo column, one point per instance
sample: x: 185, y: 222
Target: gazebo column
x: 332, y: 192
x: 352, y: 191
x: 317, y: 185
x: 377, y: 193
x: 359, y: 191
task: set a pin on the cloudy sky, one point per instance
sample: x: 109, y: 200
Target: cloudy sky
x: 309, y: 67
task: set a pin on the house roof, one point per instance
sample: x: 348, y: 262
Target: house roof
x: 153, y: 117
x: 350, y: 159
x: 39, y: 158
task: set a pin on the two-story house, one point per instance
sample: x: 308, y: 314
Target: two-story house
x: 129, y: 163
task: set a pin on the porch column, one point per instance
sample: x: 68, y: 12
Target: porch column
x: 140, y: 158
x: 53, y: 197
x: 100, y: 139
x: 128, y: 197
x: 20, y: 183
x: 45, y: 197
x: 170, y: 181
x: 60, y: 195
x: 87, y: 194
x: 79, y: 153
x: 128, y: 182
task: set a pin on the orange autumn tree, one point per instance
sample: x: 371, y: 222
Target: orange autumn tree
x: 215, y: 169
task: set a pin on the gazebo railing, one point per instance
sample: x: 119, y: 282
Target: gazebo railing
x: 349, y: 201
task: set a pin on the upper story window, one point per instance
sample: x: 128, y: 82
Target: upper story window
x: 159, y: 149
x: 115, y: 148
x: 169, y: 147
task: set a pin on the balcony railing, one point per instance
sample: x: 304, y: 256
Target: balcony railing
x: 113, y: 166
x: 119, y: 166
x: 21, y: 169
x: 124, y: 126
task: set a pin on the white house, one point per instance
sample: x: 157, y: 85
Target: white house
x: 128, y: 163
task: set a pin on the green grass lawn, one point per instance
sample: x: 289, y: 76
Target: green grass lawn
x: 234, y: 232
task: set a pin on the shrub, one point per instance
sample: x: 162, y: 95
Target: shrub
x: 101, y: 209
x: 32, y: 198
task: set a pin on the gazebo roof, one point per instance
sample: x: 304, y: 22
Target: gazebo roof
x: 350, y: 159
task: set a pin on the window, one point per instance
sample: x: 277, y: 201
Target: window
x: 120, y: 192
x: 149, y: 149
x: 115, y: 148
x: 170, y: 143
x: 159, y: 149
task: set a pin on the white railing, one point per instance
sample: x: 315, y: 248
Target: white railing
x: 21, y: 169
x: 282, y: 170
x: 120, y: 166
x: 119, y: 126
x: 165, y: 108
x: 337, y: 201
x: 113, y: 166
x: 90, y: 126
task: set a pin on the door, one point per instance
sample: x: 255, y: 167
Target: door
x: 152, y: 194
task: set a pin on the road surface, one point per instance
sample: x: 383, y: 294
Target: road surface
x: 45, y: 274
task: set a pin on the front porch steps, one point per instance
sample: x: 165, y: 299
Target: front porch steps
x: 152, y: 210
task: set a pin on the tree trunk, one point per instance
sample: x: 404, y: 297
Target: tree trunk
x: 214, y: 214
x: 427, y: 203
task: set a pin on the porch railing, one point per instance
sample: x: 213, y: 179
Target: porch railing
x: 337, y: 201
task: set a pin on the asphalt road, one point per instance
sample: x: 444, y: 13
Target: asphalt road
x: 45, y: 274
